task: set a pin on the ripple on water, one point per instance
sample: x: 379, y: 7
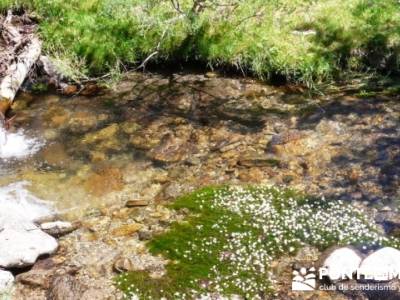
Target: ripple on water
x: 16, y: 145
x: 17, y: 203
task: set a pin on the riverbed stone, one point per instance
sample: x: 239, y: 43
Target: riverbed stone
x: 36, y: 278
x: 136, y: 203
x: 56, y: 155
x: 65, y: 287
x: 104, y: 180
x: 123, y: 264
x: 103, y: 134
x: 171, y: 149
x: 82, y: 121
x: 259, y: 160
x: 125, y: 230
x: 220, y: 121
x: 58, y: 228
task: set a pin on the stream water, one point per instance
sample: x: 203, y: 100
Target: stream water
x: 155, y: 137
x: 177, y: 132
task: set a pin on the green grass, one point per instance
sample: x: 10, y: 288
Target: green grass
x: 227, y: 243
x: 264, y: 38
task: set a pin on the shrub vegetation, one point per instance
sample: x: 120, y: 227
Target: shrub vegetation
x: 303, y: 40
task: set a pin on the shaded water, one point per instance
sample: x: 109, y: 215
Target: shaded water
x: 155, y: 137
x: 50, y: 154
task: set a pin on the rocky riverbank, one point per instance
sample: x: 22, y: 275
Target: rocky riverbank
x: 114, y: 160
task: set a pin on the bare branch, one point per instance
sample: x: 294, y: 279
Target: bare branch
x: 177, y: 6
x: 256, y: 15
x: 143, y: 64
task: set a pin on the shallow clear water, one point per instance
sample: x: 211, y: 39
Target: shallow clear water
x: 155, y: 137
x: 45, y: 149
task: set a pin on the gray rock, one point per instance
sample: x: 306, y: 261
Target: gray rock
x: 58, y: 228
x: 65, y: 287
x: 123, y: 264
x: 36, y: 278
x: 145, y: 235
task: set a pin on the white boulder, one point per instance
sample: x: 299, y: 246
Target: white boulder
x: 6, y: 281
x: 21, y: 241
x: 381, y: 265
x: 341, y: 263
x: 21, y: 247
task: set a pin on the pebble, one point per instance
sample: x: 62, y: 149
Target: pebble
x: 136, y: 203
x: 125, y: 230
x: 58, y: 228
x: 145, y: 235
x: 385, y: 208
x: 123, y: 264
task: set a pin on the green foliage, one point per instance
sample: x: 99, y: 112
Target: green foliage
x: 232, y: 235
x: 39, y: 88
x: 306, y: 40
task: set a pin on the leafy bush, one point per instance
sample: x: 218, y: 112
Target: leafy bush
x: 303, y: 40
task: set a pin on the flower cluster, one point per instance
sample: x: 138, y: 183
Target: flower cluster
x: 257, y: 225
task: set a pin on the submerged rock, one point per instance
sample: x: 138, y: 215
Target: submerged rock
x: 103, y: 134
x: 82, y: 121
x: 36, y: 278
x: 171, y: 149
x: 259, y: 160
x: 104, y: 180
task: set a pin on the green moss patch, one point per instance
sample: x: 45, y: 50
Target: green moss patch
x: 232, y: 234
